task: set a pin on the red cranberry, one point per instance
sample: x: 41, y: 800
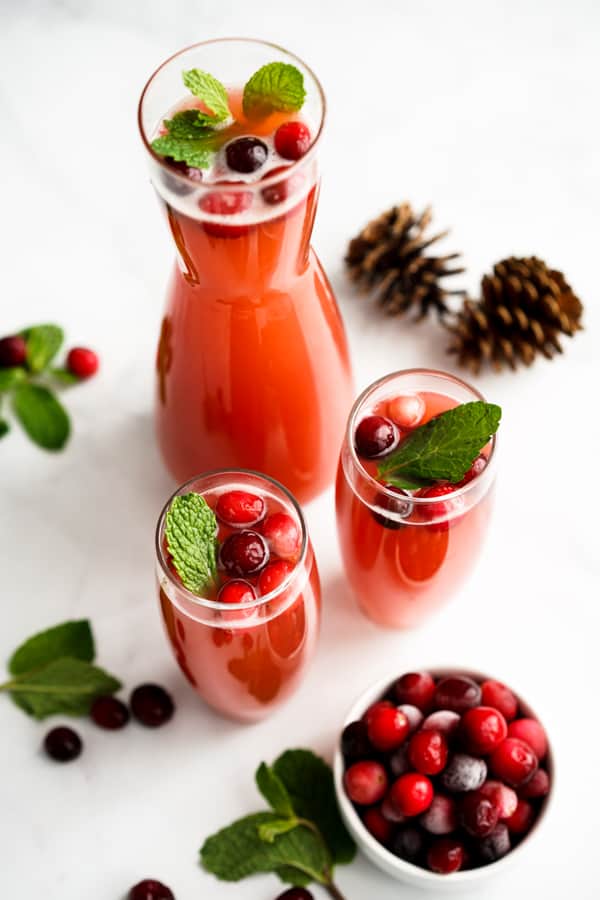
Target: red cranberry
x: 503, y: 797
x: 355, y: 741
x: 412, y: 794
x: 109, y: 713
x: 539, y: 786
x: 374, y: 708
x: 413, y: 714
x: 278, y: 192
x: 377, y: 825
x: 445, y: 855
x: 151, y: 705
x: 225, y: 203
x: 475, y: 469
x: 514, y: 762
x: 440, y: 818
x: 498, y: 696
x: 443, y: 720
x: 282, y: 534
x: 366, y: 782
x: 273, y: 575
x: 237, y: 508
x: 63, y: 744
x: 428, y: 752
x: 292, y: 140
x: 406, y: 410
x: 407, y: 843
x: 522, y: 819
x: 236, y: 591
x: 495, y: 845
x: 416, y: 688
x: 82, y: 362
x: 244, y: 553
x: 482, y: 729
x: 296, y: 893
x: 442, y: 510
x: 400, y: 505
x: 387, y: 728
x: 457, y: 693
x: 530, y: 731
x: 478, y: 814
x: 13, y: 351
x: 149, y: 889
x: 246, y: 154
x: 374, y: 436
x: 389, y: 811
x: 464, y: 773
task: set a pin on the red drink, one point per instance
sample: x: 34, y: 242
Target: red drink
x: 245, y: 653
x: 405, y: 554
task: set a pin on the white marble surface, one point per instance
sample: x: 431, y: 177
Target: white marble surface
x: 488, y: 110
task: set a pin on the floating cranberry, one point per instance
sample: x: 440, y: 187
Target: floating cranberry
x: 225, y: 203
x: 149, y: 889
x: 495, y: 845
x: 444, y: 510
x: 387, y: 728
x: 296, y: 893
x: 539, y: 786
x: 416, y: 688
x: 522, y: 819
x: 292, y: 140
x: 482, y: 729
x: 446, y: 855
x: 463, y: 773
x: 274, y: 575
x: 244, y: 553
x: 236, y: 591
x: 407, y: 843
x: 355, y: 741
x: 475, y: 469
x: 530, y: 731
x: 246, y: 154
x: 366, y: 782
x: 514, y: 762
x: 82, y: 362
x: 374, y: 436
x: 413, y: 714
x: 444, y: 720
x: 406, y: 410
x: 278, y: 192
x: 400, y: 505
x: 240, y: 508
x: 151, y: 705
x: 428, y: 752
x: 457, y: 693
x: 13, y: 351
x: 63, y: 744
x: 503, y: 797
x: 478, y: 814
x: 412, y: 794
x: 282, y: 534
x: 440, y: 818
x: 109, y: 713
x: 498, y: 696
x: 377, y: 825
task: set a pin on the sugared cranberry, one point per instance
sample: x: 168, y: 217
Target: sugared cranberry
x: 398, y: 761
x: 63, y: 744
x: 355, y: 741
x: 109, y: 713
x: 13, y: 351
x: 407, y: 843
x: 387, y: 728
x: 478, y: 814
x: 498, y: 696
x: 295, y: 893
x: 514, y: 762
x: 457, y: 693
x: 292, y: 140
x: 444, y: 720
x: 530, y: 731
x: 412, y: 794
x: 82, y: 362
x: 482, y: 729
x: 273, y: 575
x: 495, y: 845
x: 282, y: 534
x: 522, y: 819
x: 374, y: 436
x: 445, y: 855
x: 406, y: 410
x: 475, y: 469
x: 440, y: 818
x: 151, y: 705
x: 240, y: 508
x: 413, y: 714
x: 400, y: 505
x: 149, y: 889
x: 539, y: 786
x: 246, y: 154
x: 444, y: 511
x: 377, y: 825
x: 416, y: 688
x: 464, y: 773
x: 428, y: 752
x: 503, y: 797
x: 244, y: 553
x: 366, y: 782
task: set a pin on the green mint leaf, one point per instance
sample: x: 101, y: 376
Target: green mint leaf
x: 289, y: 875
x: 210, y: 90
x: 193, y: 152
x: 275, y: 87
x: 10, y: 378
x: 74, y: 639
x: 191, y: 532
x: 273, y: 790
x: 43, y: 343
x: 309, y: 783
x: 64, y: 377
x: 268, y: 831
x: 4, y: 428
x: 63, y: 687
x: 190, y: 125
x: 445, y: 447
x: 42, y: 416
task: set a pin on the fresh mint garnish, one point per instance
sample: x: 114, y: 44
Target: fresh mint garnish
x: 43, y: 343
x: 72, y: 638
x: 10, y: 378
x: 212, y: 93
x: 191, y: 532
x: 42, y: 416
x: 194, y: 152
x: 276, y: 87
x: 442, y: 449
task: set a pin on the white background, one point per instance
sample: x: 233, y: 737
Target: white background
x: 490, y: 112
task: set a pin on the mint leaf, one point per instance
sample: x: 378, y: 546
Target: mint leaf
x: 64, y: 377
x: 188, y: 124
x: 275, y: 87
x: 273, y: 790
x: 43, y: 343
x: 65, y: 686
x: 4, y: 428
x: 268, y: 831
x: 72, y: 638
x: 444, y: 448
x: 10, y: 378
x: 212, y: 93
x: 42, y: 416
x: 191, y: 532
x: 193, y: 152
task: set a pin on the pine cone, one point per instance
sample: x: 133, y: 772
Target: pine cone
x: 523, y: 308
x: 390, y: 254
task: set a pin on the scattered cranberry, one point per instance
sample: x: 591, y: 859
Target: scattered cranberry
x: 478, y: 814
x: 366, y: 782
x: 244, y: 553
x: 273, y: 575
x: 522, y: 819
x: 296, y: 893
x: 151, y: 705
x: 246, y: 154
x: 63, y: 744
x: 495, y: 845
x: 445, y: 855
x: 149, y: 889
x: 109, y: 713
x: 412, y: 794
x: 530, y: 731
x: 440, y: 818
x: 539, y: 786
x: 13, y: 351
x: 416, y: 688
x: 406, y: 410
x: 387, y: 728
x: 236, y: 508
x: 503, y: 797
x: 355, y: 741
x: 400, y: 505
x: 407, y: 843
x: 444, y: 510
x: 444, y: 720
x: 482, y: 729
x: 428, y: 752
x: 282, y: 534
x: 374, y: 436
x: 464, y: 773
x: 457, y: 693
x: 82, y: 362
x: 498, y: 696
x: 292, y: 140
x: 475, y: 469
x: 514, y: 762
x: 377, y: 825
x: 413, y: 714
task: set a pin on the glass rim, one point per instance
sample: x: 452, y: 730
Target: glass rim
x: 383, y: 489
x: 269, y: 180
x: 214, y: 604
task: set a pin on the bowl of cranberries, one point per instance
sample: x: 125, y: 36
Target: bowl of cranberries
x: 442, y: 776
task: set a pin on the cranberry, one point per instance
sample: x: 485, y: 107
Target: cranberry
x: 292, y: 140
x: 407, y: 843
x: 273, y: 575
x: 278, y: 192
x: 498, y: 696
x: 149, y: 889
x: 377, y: 825
x: 443, y: 510
x: 482, y: 729
x: 464, y: 773
x: 457, y: 693
x: 428, y: 752
x: 406, y: 410
x: 282, y: 534
x: 355, y: 741
x: 445, y: 855
x: 412, y: 794
x: 295, y: 893
x: 440, y: 818
x: 387, y: 728
x: 400, y: 506
x: 63, y: 744
x: 236, y: 591
x: 413, y: 714
x: 522, y: 819
x: 366, y: 782
x: 236, y: 508
x: 244, y: 553
x: 389, y: 811
x: 444, y: 720
x: 246, y: 154
x: 374, y: 708
x: 151, y: 705
x: 539, y: 786
x: 374, y: 436
x: 495, y: 845
x: 398, y: 761
x: 109, y: 713
x: 503, y: 797
x: 514, y: 762
x: 13, y: 351
x: 478, y: 814
x: 475, y: 469
x: 82, y: 362
x: 530, y: 731
x: 416, y: 688
x: 226, y: 203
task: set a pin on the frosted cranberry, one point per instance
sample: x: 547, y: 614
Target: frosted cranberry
x: 246, y: 154
x: 296, y: 893
x: 530, y: 731
x: 149, y: 889
x: 406, y: 410
x: 478, y: 814
x: 539, y: 786
x: 13, y: 351
x: 82, y: 362
x: 400, y: 505
x: 444, y: 720
x: 109, y: 713
x: 292, y: 140
x: 440, y: 818
x: 407, y: 843
x: 428, y: 752
x: 398, y: 761
x: 445, y: 856
x: 63, y: 744
x: 416, y: 688
x: 244, y: 553
x: 282, y: 534
x: 151, y: 705
x: 366, y: 782
x: 498, y: 696
x: 355, y: 741
x: 411, y: 794
x: 389, y: 811
x: 387, y: 728
x: 237, y: 508
x: 457, y: 693
x: 514, y: 762
x: 377, y: 825
x: 503, y: 797
x: 495, y: 845
x: 274, y: 575
x: 414, y: 716
x: 463, y: 773
x: 522, y: 819
x: 475, y: 469
x: 374, y: 708
x: 482, y: 729
x: 374, y: 436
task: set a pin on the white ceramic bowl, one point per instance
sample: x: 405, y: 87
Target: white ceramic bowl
x: 385, y: 859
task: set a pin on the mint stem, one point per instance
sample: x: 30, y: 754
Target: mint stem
x: 334, y: 891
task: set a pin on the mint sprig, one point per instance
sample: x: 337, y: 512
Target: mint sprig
x: 443, y: 449
x: 212, y: 93
x: 42, y: 415
x: 191, y: 533
x: 275, y: 87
